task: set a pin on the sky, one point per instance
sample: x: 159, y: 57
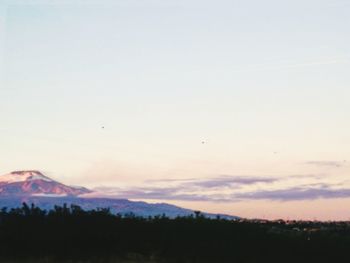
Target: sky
x: 238, y: 107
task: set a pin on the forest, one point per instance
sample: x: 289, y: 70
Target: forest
x: 70, y: 234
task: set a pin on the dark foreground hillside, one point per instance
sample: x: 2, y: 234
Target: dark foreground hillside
x: 69, y: 234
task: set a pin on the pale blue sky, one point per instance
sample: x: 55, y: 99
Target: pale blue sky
x: 250, y: 78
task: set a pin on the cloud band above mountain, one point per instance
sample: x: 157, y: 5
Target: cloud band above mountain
x: 236, y: 188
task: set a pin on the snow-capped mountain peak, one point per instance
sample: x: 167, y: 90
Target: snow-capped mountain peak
x: 33, y: 182
x: 21, y: 176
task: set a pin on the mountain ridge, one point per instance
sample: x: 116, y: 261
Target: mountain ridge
x: 33, y: 187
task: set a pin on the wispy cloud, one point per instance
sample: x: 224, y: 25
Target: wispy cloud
x: 289, y: 64
x: 236, y: 188
x: 231, y: 181
x: 297, y: 193
x: 161, y: 193
x: 208, y: 189
x: 325, y: 163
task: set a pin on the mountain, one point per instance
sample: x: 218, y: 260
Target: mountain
x: 35, y: 183
x: 32, y: 187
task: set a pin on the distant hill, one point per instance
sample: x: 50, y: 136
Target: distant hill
x: 34, y: 187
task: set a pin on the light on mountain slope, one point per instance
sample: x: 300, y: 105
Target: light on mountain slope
x: 33, y: 183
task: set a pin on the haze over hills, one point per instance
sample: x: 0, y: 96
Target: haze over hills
x: 33, y: 187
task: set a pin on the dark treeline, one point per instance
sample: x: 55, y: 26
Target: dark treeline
x: 70, y: 234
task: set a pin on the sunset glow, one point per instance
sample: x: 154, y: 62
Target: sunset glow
x: 236, y: 107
